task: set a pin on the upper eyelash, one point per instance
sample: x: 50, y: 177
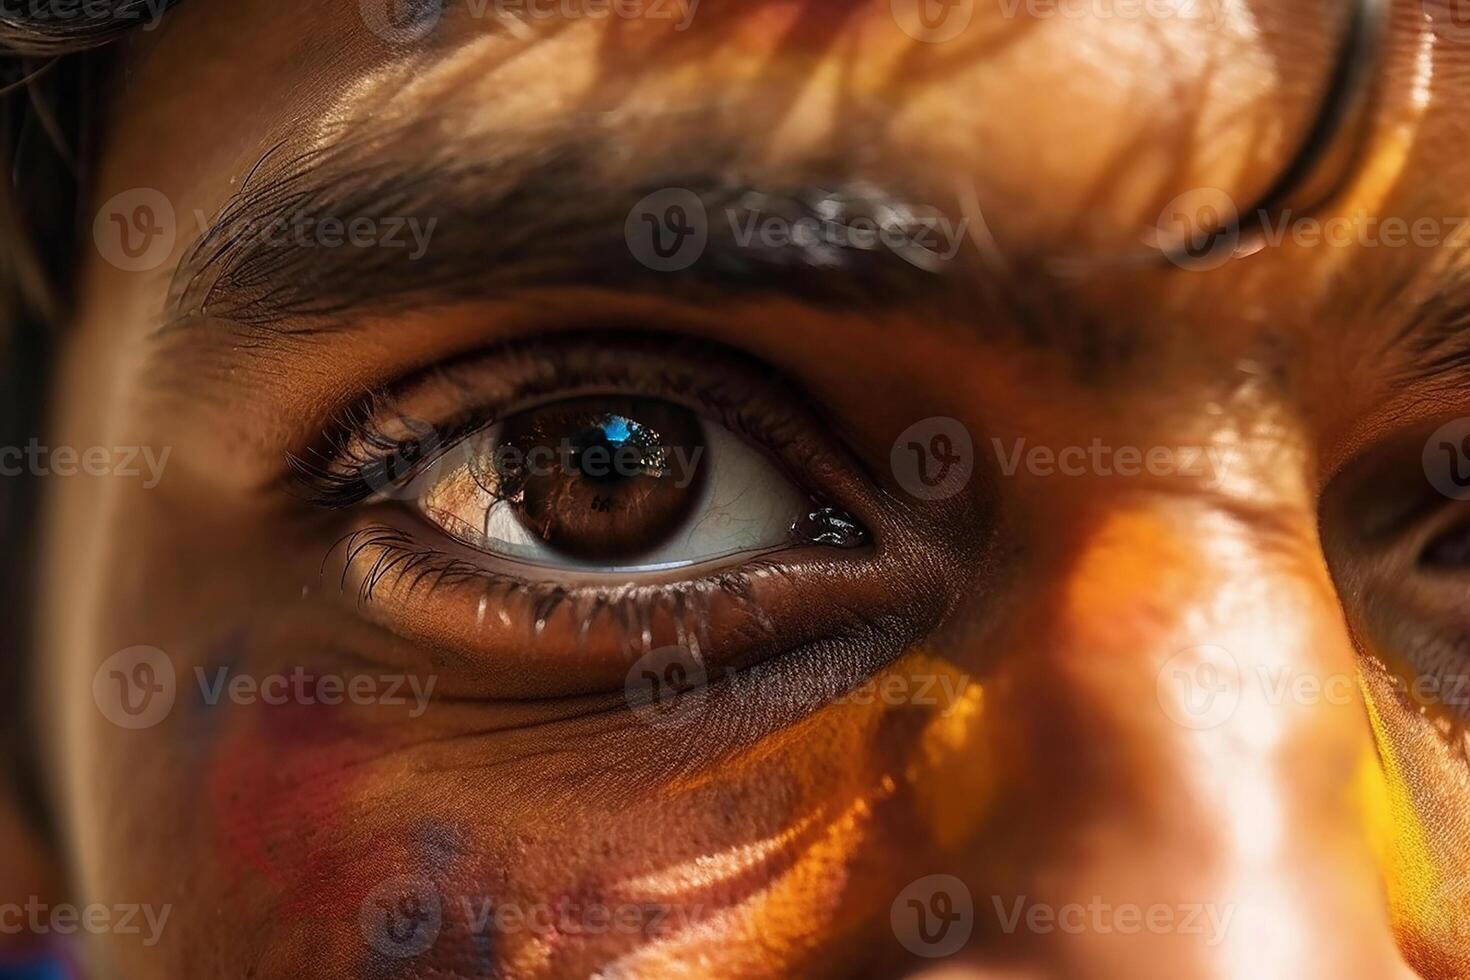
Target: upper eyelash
x: 357, y: 454
x: 355, y: 463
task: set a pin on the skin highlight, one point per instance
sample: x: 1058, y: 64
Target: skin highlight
x: 1325, y: 838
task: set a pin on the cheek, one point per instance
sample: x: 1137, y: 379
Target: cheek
x: 277, y: 785
x: 344, y: 862
x: 529, y: 855
x: 881, y: 780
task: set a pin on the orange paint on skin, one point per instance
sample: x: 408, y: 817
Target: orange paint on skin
x: 1430, y: 906
x: 954, y: 782
x: 841, y: 760
x: 1142, y: 549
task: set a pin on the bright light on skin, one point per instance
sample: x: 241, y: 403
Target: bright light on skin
x: 880, y: 676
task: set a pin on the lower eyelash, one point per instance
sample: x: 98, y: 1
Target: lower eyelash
x: 400, y: 563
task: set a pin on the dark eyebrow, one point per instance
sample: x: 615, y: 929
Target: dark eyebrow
x: 1434, y: 342
x: 545, y: 211
x: 545, y: 217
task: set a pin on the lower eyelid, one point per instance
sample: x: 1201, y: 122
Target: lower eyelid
x: 515, y: 639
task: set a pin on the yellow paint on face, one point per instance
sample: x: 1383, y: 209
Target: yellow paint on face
x: 954, y: 776
x: 833, y: 760
x: 1394, y: 825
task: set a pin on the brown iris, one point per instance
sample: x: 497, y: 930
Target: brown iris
x: 601, y: 478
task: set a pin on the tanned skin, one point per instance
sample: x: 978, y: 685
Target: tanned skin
x: 1329, y: 836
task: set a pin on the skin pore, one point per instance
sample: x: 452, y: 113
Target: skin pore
x: 759, y: 832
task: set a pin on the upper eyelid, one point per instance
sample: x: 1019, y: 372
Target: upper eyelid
x: 331, y: 473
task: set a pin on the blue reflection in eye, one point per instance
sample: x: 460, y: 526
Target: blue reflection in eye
x: 616, y: 429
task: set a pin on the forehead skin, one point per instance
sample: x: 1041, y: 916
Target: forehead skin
x: 1067, y: 133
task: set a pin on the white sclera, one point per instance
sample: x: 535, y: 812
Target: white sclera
x: 745, y: 504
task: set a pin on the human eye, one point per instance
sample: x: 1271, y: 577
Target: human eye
x: 613, y: 484
x: 582, y: 502
x: 1400, y: 544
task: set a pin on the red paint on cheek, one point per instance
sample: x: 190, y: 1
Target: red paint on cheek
x: 283, y: 791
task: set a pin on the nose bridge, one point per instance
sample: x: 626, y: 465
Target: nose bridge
x: 1187, y: 769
